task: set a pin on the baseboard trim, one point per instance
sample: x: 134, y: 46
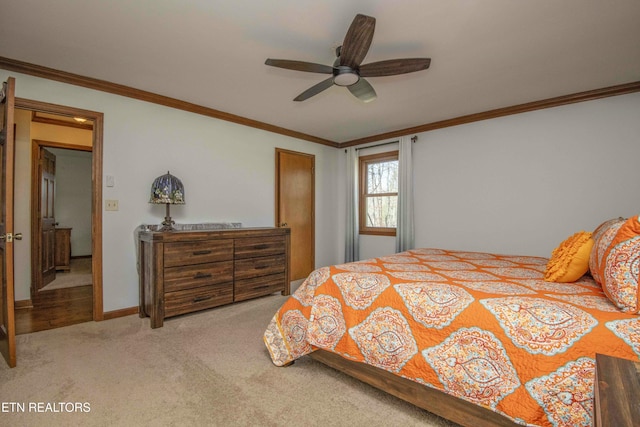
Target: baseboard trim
x: 25, y: 303
x: 120, y: 313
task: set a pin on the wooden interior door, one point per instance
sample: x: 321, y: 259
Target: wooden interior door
x: 47, y: 218
x: 7, y: 143
x: 295, y: 207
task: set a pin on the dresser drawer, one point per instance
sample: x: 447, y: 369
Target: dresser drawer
x: 192, y: 276
x: 252, y: 247
x: 256, y: 267
x: 198, y: 252
x: 189, y: 300
x: 258, y: 286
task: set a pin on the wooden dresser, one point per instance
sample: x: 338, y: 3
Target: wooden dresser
x: 186, y: 271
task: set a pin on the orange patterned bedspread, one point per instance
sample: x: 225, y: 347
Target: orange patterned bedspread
x: 482, y: 327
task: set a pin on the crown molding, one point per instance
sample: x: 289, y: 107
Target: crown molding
x: 501, y: 112
x: 129, y: 92
x: 118, y: 89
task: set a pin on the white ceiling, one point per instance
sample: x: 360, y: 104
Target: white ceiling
x: 486, y: 54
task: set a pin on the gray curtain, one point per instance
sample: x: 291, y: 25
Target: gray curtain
x: 351, y: 252
x: 404, y: 230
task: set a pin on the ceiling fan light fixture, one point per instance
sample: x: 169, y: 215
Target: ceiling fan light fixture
x: 348, y: 69
x: 345, y: 76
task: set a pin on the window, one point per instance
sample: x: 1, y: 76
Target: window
x: 379, y: 193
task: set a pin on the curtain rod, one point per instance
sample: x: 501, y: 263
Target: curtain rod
x: 413, y: 139
x: 377, y: 145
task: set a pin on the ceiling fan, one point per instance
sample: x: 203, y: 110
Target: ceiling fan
x: 347, y: 70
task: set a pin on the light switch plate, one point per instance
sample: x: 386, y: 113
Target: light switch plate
x: 111, y: 182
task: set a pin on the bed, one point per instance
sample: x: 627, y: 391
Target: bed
x: 478, y: 338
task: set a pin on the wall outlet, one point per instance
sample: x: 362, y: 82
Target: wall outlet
x: 110, y: 205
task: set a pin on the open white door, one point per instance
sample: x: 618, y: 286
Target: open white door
x: 7, y: 144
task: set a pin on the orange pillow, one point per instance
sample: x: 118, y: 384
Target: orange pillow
x: 570, y: 260
x: 620, y: 267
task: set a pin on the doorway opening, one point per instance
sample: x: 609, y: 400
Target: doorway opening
x: 62, y: 268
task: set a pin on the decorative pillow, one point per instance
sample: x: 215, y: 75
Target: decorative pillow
x: 607, y: 224
x: 621, y: 272
x: 602, y: 237
x: 570, y: 260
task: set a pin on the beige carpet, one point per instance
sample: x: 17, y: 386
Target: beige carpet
x: 205, y: 369
x: 78, y: 275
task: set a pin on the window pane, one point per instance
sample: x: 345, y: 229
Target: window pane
x: 382, y: 177
x: 381, y: 211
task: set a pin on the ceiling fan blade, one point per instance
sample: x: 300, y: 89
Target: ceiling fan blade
x: 363, y: 91
x: 314, y: 90
x: 392, y: 67
x: 300, y: 66
x: 357, y: 41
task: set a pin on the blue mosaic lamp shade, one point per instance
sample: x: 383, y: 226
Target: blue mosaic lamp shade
x: 167, y: 189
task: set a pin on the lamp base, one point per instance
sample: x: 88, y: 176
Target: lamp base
x: 167, y: 224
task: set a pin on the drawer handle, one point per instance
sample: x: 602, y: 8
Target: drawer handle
x: 200, y: 299
x: 202, y: 275
x: 205, y: 252
x: 263, y: 246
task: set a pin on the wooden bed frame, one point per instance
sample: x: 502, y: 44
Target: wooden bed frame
x: 427, y: 398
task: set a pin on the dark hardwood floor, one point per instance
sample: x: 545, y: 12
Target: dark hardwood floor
x: 56, y: 308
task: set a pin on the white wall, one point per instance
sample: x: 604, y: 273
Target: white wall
x: 228, y: 171
x: 521, y: 184
x: 516, y: 184
x: 73, y: 197
x: 22, y: 206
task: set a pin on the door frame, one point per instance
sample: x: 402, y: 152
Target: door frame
x: 36, y: 197
x: 96, y: 190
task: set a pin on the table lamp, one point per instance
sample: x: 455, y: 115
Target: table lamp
x: 169, y: 190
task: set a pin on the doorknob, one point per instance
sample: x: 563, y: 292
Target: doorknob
x: 9, y: 237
